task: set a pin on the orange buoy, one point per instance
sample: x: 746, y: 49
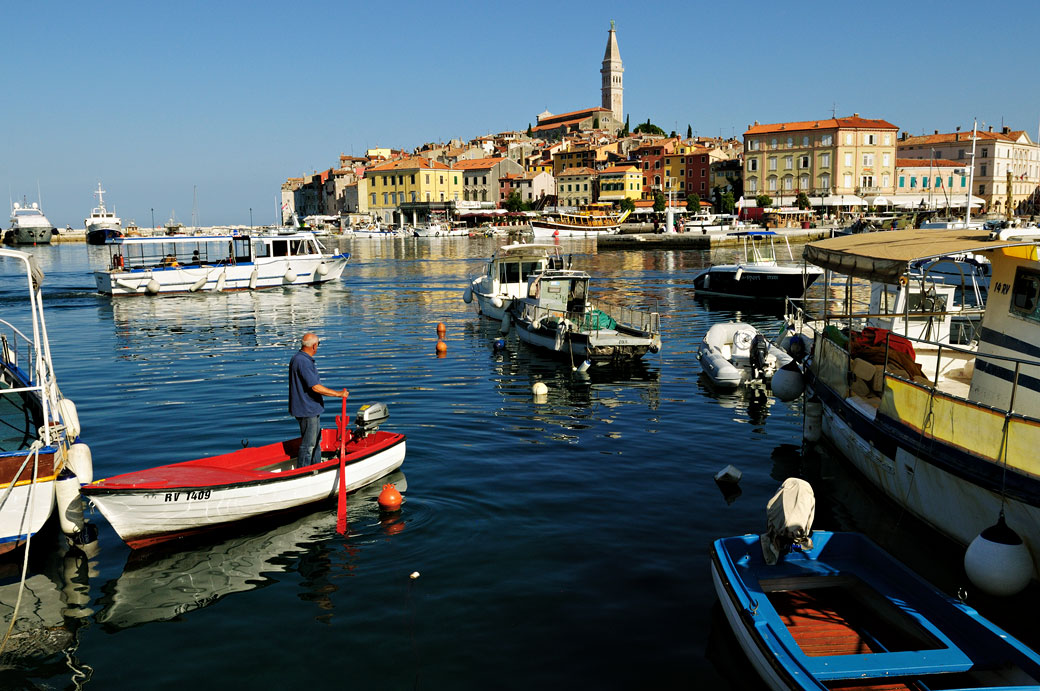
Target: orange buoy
x: 389, y: 498
x: 440, y: 330
x: 442, y: 348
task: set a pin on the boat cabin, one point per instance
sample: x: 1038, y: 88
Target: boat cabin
x: 132, y: 254
x: 559, y: 291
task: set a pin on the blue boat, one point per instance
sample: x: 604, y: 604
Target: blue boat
x: 844, y: 614
x: 758, y: 275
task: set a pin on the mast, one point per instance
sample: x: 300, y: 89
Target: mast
x: 971, y: 173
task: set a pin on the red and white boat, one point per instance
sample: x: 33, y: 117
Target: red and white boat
x: 150, y: 506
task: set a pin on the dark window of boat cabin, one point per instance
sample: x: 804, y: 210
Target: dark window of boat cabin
x: 526, y: 269
x: 279, y: 248
x: 510, y: 272
x: 241, y: 246
x: 298, y: 247
x: 1026, y: 295
x: 262, y: 249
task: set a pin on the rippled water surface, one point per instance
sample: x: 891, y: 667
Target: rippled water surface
x: 559, y: 544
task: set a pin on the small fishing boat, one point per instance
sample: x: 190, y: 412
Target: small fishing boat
x: 186, y: 263
x: 103, y: 226
x: 758, y: 275
x: 42, y: 461
x: 734, y: 353
x: 504, y: 278
x: 558, y: 315
x: 150, y: 506
x: 591, y: 220
x: 823, y: 610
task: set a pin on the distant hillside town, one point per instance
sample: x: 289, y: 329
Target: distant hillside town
x: 593, y: 155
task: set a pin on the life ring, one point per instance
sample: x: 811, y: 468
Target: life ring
x: 903, y: 280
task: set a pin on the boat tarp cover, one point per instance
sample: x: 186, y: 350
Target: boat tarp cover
x: 789, y: 519
x: 597, y: 319
x: 885, y: 255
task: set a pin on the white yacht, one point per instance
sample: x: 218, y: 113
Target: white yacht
x: 103, y: 226
x: 504, y: 278
x: 29, y: 226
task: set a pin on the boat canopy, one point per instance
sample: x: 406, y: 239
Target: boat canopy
x: 886, y: 255
x: 751, y: 233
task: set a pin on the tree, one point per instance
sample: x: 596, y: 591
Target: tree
x: 689, y: 131
x: 625, y: 130
x: 693, y: 202
x: 627, y: 204
x: 659, y: 202
x: 728, y: 205
x: 516, y: 203
x: 802, y: 201
x: 648, y: 128
x: 764, y: 200
x: 673, y: 135
x: 529, y: 132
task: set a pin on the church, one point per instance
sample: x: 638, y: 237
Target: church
x: 609, y: 116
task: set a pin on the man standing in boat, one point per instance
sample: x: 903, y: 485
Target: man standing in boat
x: 305, y: 399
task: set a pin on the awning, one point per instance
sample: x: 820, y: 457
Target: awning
x: 922, y: 201
x: 880, y: 201
x: 842, y: 200
x: 884, y: 256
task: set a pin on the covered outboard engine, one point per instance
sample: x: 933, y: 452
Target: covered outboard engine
x: 789, y: 519
x: 368, y: 419
x: 759, y: 354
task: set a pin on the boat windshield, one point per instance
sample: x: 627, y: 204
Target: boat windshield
x: 167, y: 254
x: 518, y: 272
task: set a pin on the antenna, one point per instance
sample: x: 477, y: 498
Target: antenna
x: 834, y: 109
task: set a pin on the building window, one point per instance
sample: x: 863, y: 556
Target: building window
x: 788, y: 162
x: 772, y: 163
x: 825, y: 181
x: 788, y: 180
x: 982, y: 189
x: 803, y: 182
x: 386, y: 198
x: 924, y: 183
x: 866, y: 181
x: 752, y: 164
x: 772, y: 144
x: 848, y: 180
x: 373, y: 199
x: 825, y: 160
x: 885, y: 160
x: 985, y: 154
x: 413, y: 178
x: 790, y: 142
x: 805, y: 140
x: 902, y: 181
x: 771, y: 182
x: 868, y: 160
x: 960, y: 153
x: 752, y: 185
x: 413, y: 196
x: 803, y: 161
x: 870, y: 139
x: 848, y: 138
x: 913, y: 182
x: 888, y: 140
x: 427, y: 182
x: 950, y: 182
x: 884, y: 180
x: 827, y: 140
x: 983, y: 169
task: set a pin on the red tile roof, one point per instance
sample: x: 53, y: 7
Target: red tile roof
x: 854, y: 122
x: 577, y: 171
x: 573, y: 115
x: 924, y: 163
x: 959, y: 137
x: 478, y: 163
x: 414, y: 163
x: 620, y: 169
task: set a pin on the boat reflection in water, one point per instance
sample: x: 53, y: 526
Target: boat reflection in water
x: 164, y: 583
x: 54, y: 607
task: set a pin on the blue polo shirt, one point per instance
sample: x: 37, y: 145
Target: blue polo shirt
x: 303, y: 374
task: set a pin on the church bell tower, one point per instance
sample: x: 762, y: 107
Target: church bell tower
x: 612, y: 71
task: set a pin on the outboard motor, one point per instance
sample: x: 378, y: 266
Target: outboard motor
x: 368, y: 419
x: 759, y: 354
x: 789, y: 519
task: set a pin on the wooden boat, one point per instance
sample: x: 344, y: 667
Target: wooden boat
x: 591, y: 220
x: 735, y: 353
x: 558, y: 314
x: 150, y: 506
x: 42, y: 463
x: 504, y: 278
x: 188, y: 264
x: 844, y: 614
x: 757, y: 275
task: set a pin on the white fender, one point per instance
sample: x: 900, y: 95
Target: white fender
x: 497, y: 302
x: 507, y: 323
x: 467, y: 295
x: 81, y: 462
x: 322, y: 269
x: 127, y: 284
x: 69, y: 417
x: 152, y: 287
x: 740, y: 272
x: 197, y: 285
x: 221, y: 281
x: 68, y: 503
x: 252, y: 279
x: 289, y: 276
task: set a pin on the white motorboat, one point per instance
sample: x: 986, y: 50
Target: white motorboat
x: 377, y: 231
x: 504, y: 278
x: 186, y: 263
x: 948, y: 432
x: 734, y: 353
x: 29, y: 226
x: 103, y: 226
x: 705, y: 222
x: 758, y: 275
x: 42, y: 463
x: 591, y: 220
x: 558, y: 315
x: 437, y: 230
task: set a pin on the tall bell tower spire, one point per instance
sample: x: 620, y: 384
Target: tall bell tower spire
x: 611, y: 72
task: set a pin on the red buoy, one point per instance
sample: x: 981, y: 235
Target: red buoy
x: 389, y: 498
x: 442, y: 348
x: 440, y: 329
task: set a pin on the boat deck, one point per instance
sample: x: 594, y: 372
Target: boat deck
x: 17, y: 422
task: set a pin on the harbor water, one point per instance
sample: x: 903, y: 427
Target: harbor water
x: 556, y: 544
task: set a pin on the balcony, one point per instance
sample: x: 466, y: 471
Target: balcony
x: 860, y: 191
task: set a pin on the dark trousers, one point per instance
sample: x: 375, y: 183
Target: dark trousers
x: 310, y: 442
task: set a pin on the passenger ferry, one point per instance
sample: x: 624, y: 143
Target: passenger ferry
x: 588, y: 221
x: 188, y: 263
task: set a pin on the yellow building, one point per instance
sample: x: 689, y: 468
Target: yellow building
x: 851, y: 156
x: 618, y: 182
x: 410, y: 181
x: 576, y: 187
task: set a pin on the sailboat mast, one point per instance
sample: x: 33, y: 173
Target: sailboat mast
x: 971, y: 173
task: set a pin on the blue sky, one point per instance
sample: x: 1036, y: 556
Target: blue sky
x: 156, y: 100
